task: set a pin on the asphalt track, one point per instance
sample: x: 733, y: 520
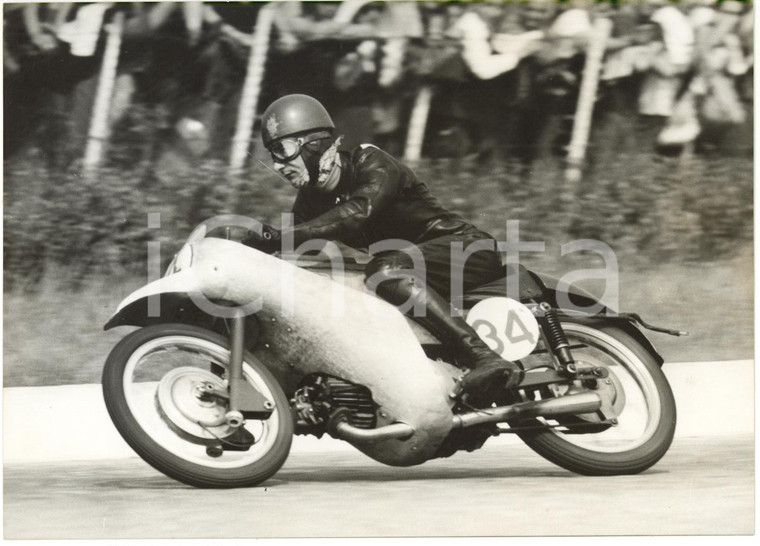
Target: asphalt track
x: 703, y: 486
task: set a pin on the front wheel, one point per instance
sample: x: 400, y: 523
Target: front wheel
x: 156, y: 385
x: 641, y: 396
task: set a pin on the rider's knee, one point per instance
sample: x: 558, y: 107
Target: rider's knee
x: 388, y: 265
x: 392, y: 277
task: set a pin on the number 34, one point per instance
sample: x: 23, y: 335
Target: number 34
x: 515, y: 332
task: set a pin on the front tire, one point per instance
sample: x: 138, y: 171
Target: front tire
x: 151, y: 383
x: 647, y: 420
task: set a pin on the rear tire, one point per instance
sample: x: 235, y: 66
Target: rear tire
x: 128, y: 391
x: 637, y: 454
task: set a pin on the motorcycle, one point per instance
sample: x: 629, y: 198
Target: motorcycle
x: 238, y: 350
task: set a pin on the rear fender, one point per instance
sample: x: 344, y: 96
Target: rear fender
x: 624, y: 324
x: 603, y: 315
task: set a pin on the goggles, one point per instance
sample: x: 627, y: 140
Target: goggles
x: 287, y: 149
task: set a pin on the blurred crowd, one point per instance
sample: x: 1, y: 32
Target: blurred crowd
x: 504, y: 76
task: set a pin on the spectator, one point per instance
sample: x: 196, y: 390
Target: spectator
x: 43, y: 23
x: 57, y: 78
x: 746, y: 33
x: 629, y: 54
x: 537, y: 15
x: 667, y: 60
x: 676, y: 76
x: 299, y: 24
x: 721, y: 60
x: 488, y: 55
x: 492, y: 43
x: 567, y: 36
x: 670, y: 56
x: 82, y: 32
x: 548, y: 82
x: 329, y: 51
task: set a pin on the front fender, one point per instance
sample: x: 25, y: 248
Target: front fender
x: 162, y: 300
x: 171, y: 300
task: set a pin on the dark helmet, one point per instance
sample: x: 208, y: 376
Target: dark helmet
x: 293, y: 114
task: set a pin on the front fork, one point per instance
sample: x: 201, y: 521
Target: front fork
x: 245, y: 400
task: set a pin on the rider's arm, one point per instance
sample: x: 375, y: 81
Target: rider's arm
x: 301, y: 210
x: 378, y: 181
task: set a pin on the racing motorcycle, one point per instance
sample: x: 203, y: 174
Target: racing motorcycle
x: 238, y: 350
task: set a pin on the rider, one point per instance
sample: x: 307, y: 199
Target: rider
x: 364, y: 196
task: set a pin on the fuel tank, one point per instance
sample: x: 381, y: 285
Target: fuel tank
x: 314, y: 322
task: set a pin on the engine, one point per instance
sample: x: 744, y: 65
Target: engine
x: 319, y: 395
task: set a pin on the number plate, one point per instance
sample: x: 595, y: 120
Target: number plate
x: 506, y: 325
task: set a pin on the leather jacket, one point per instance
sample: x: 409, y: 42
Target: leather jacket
x: 376, y: 198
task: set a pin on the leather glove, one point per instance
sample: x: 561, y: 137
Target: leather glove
x: 268, y: 241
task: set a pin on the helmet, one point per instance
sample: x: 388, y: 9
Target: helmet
x: 293, y: 114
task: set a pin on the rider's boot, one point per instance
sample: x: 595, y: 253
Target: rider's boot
x: 491, y: 378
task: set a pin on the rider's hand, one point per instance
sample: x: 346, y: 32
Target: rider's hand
x: 268, y: 241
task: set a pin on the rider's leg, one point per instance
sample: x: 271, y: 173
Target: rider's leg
x: 394, y: 280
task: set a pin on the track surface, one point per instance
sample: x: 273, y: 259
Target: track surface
x: 703, y: 486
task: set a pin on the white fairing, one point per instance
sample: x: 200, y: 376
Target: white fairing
x: 311, y: 323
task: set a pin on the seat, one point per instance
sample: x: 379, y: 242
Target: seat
x: 529, y: 287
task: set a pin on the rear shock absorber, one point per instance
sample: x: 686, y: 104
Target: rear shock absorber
x: 556, y: 337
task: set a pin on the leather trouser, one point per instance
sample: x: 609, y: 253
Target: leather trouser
x: 400, y: 287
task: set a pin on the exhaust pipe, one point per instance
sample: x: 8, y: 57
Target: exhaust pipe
x: 587, y: 402
x: 340, y: 428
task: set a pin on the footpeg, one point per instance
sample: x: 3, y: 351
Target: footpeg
x: 240, y: 440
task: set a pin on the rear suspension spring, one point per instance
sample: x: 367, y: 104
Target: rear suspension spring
x: 556, y: 336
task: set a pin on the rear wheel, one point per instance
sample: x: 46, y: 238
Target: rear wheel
x: 639, y: 393
x: 164, y: 388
